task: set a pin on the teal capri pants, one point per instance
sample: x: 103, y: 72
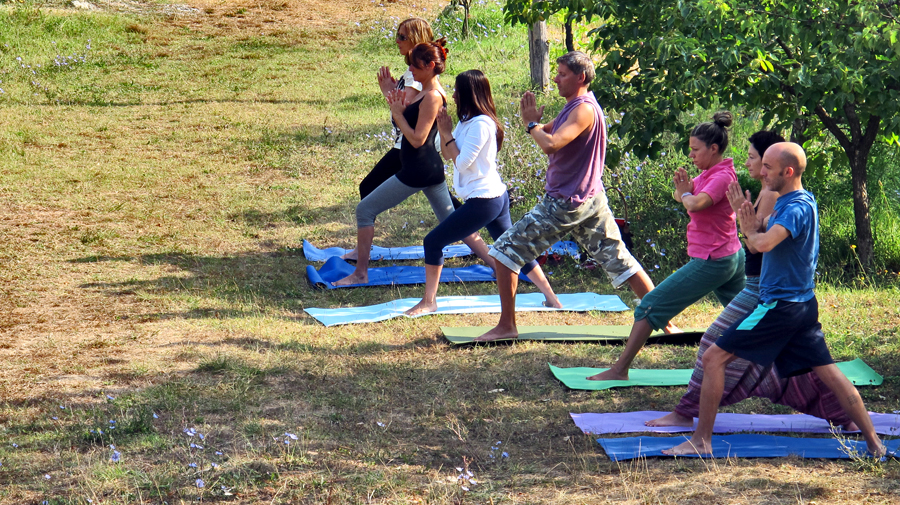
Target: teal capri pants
x: 723, y: 277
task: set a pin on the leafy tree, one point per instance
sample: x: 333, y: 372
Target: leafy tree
x: 824, y: 68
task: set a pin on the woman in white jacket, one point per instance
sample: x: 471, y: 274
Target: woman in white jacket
x: 472, y: 147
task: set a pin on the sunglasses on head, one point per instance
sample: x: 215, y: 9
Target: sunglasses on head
x: 402, y: 38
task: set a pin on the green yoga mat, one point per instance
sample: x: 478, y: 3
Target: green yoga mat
x: 466, y: 335
x: 857, y: 371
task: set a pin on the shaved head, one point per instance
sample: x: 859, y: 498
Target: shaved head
x: 788, y: 154
x: 777, y: 160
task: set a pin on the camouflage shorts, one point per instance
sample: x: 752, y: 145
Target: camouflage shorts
x: 591, y: 224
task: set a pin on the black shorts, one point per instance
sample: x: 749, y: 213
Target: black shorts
x: 785, y: 333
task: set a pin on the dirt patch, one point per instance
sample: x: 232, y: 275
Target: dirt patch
x: 331, y: 18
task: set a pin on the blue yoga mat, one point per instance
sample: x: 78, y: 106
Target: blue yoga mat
x: 632, y: 422
x: 527, y: 302
x: 741, y: 446
x: 414, y: 252
x: 336, y: 269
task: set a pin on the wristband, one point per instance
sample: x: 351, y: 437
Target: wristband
x: 448, y: 142
x: 686, y: 193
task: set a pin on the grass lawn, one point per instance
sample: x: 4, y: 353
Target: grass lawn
x: 159, y: 168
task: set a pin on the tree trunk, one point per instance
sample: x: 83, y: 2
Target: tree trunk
x: 865, y: 247
x: 570, y: 38
x: 539, y: 54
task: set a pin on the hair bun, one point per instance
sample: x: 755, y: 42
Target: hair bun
x: 442, y: 43
x: 723, y: 118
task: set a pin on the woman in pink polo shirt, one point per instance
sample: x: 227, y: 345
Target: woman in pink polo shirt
x: 717, y: 258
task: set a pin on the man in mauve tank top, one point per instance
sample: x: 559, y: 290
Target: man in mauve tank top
x: 575, y: 202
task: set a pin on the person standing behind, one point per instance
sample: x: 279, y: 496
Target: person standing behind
x: 472, y: 147
x: 784, y: 328
x: 575, y: 201
x: 717, y: 258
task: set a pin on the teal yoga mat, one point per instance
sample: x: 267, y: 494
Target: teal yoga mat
x: 591, y: 333
x: 857, y: 371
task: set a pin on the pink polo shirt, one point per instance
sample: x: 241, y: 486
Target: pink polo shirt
x: 712, y: 232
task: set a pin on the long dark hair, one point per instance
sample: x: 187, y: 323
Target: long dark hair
x: 475, y: 99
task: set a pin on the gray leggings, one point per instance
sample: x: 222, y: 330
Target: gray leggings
x: 392, y: 192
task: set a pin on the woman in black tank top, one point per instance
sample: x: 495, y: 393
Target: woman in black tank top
x: 422, y: 168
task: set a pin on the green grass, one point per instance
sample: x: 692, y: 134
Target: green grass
x: 152, y: 201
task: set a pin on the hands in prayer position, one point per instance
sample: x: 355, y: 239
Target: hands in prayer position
x: 683, y: 182
x: 528, y: 108
x: 386, y: 81
x: 396, y: 98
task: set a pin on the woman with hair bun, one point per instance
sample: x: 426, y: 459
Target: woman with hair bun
x: 472, y: 147
x: 421, y: 168
x: 717, y: 257
x: 410, y: 33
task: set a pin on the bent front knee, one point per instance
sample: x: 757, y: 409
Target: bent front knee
x: 715, y: 357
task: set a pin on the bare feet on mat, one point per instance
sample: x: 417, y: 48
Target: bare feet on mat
x: 353, y: 278
x: 552, y: 302
x: 498, y: 333
x: 609, y: 375
x: 671, y: 419
x: 350, y: 255
x: 878, y: 451
x: 671, y: 329
x: 422, y: 307
x: 689, y: 448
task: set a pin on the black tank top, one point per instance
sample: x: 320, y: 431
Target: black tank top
x: 422, y: 166
x: 752, y: 261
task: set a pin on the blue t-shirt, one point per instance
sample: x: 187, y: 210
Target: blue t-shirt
x: 788, y: 270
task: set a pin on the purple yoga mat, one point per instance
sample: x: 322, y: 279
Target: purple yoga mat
x: 633, y: 422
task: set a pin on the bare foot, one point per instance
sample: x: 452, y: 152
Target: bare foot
x: 689, y: 448
x: 353, y: 278
x: 671, y: 419
x: 552, y: 302
x: 879, y: 451
x: 671, y: 329
x: 851, y: 426
x: 610, y: 375
x: 498, y: 333
x: 350, y: 255
x: 422, y: 307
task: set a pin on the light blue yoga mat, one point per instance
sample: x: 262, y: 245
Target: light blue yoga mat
x: 633, y: 422
x: 740, y: 446
x: 414, y: 252
x: 484, y: 304
x: 336, y: 269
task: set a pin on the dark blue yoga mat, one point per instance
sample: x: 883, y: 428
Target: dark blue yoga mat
x: 336, y: 269
x: 741, y: 446
x: 415, y: 252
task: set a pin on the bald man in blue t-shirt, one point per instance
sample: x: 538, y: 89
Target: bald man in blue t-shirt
x: 784, y: 328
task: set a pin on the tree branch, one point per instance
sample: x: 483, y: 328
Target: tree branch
x: 834, y: 128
